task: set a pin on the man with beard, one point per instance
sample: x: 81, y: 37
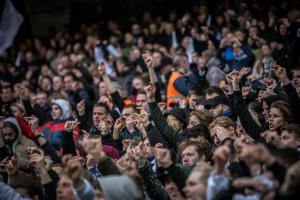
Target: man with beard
x: 13, y: 142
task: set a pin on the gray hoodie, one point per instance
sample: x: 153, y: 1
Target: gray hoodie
x: 119, y: 187
x: 19, y: 145
x: 19, y: 134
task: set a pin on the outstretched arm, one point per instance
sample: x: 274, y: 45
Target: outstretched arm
x: 158, y: 118
x: 111, y: 88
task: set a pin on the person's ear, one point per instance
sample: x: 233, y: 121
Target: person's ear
x: 202, y: 158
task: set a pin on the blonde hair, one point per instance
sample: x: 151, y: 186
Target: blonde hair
x: 20, y: 106
x: 222, y: 121
x: 204, y: 116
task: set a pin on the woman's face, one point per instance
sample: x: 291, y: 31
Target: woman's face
x: 56, y: 112
x: 102, y: 89
x: 275, y: 119
x: 194, y: 189
x: 16, y: 111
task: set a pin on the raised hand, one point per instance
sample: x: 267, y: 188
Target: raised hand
x: 162, y: 106
x: 93, y: 146
x: 143, y: 116
x: 150, y: 92
x: 163, y: 157
x: 229, y: 79
x: 120, y: 124
x: 245, y: 71
x: 281, y: 73
x: 71, y: 125
x: 235, y: 78
x: 148, y: 59
x: 221, y: 157
x: 105, y: 125
x: 138, y: 151
x: 251, y: 154
x: 37, y: 159
x: 139, y: 124
x: 33, y: 123
x: 221, y: 132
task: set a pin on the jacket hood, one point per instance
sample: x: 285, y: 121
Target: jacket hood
x: 14, y: 121
x: 64, y: 106
x: 119, y: 187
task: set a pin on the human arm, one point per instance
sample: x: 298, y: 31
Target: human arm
x: 158, y: 118
x: 240, y: 106
x: 153, y: 186
x: 148, y: 59
x: 94, y: 148
x: 110, y: 87
x: 83, y: 115
x: 164, y: 160
x: 293, y: 98
x: 42, y: 141
x: 68, y: 144
x: 217, y: 180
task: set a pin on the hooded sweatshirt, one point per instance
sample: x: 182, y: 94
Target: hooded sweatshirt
x: 53, y: 129
x: 19, y: 145
x: 19, y: 133
x: 119, y: 187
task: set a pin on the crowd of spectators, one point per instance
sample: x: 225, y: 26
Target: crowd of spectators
x: 192, y: 106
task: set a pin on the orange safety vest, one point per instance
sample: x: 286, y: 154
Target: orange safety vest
x: 127, y: 101
x: 172, y: 93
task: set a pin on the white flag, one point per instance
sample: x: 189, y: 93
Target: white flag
x: 10, y: 23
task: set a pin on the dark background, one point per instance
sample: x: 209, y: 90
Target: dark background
x: 39, y: 15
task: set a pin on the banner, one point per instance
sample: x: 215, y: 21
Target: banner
x: 10, y: 23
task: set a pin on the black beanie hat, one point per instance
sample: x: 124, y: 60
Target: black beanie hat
x: 270, y: 99
x: 178, y: 113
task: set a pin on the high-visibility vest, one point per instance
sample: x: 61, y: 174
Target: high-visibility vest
x: 172, y: 93
x: 127, y: 101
